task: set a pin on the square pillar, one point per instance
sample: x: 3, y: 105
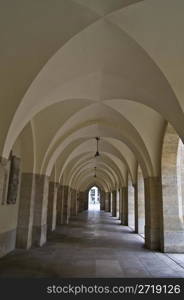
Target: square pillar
x: 85, y: 200
x: 131, y: 205
x: 59, y: 206
x: 153, y: 200
x: 102, y: 200
x: 114, y: 204
x: 52, y: 204
x: 172, y: 227
x: 65, y: 205
x: 26, y: 211
x: 4, y: 179
x: 124, y: 206
x: 140, y: 205
x: 40, y: 210
x: 81, y: 201
x: 118, y: 204
x: 73, y: 206
x: 107, y: 202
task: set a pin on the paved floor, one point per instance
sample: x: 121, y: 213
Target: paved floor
x: 93, y: 245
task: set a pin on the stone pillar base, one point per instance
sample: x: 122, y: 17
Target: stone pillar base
x: 114, y: 204
x: 65, y: 205
x: 26, y: 211
x: 124, y: 207
x: 152, y: 238
x: 40, y: 210
x: 106, y: 205
x: 24, y: 238
x: 107, y: 202
x: 153, y: 201
x: 124, y: 221
x: 39, y: 235
x: 52, y: 204
x: 59, y: 205
x: 173, y: 242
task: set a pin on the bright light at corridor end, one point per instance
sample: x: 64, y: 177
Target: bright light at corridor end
x: 94, y: 199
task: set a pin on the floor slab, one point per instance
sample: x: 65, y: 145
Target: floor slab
x: 93, y: 245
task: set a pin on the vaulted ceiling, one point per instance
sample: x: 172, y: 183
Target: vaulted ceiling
x: 73, y: 70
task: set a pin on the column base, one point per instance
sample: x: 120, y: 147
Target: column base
x: 124, y: 222
x: 65, y: 220
x: 173, y: 242
x: 39, y: 235
x: 24, y: 238
x: 152, y: 238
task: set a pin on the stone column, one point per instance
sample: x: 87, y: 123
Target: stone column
x: 4, y: 179
x: 153, y: 200
x: 26, y: 211
x: 85, y: 199
x: 114, y: 204
x: 137, y: 211
x: 73, y: 203
x: 52, y: 204
x: 124, y: 207
x: 81, y: 204
x: 131, y: 206
x: 14, y: 180
x: 140, y: 205
x: 102, y: 200
x: 110, y: 202
x: 65, y: 205
x: 59, y: 207
x: 121, y: 204
x: 107, y: 202
x: 172, y: 227
x: 136, y: 206
x: 78, y: 202
x: 40, y: 210
x: 118, y: 204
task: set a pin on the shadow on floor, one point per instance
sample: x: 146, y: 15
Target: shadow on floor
x: 92, y: 245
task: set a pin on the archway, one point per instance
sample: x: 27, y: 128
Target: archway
x: 94, y: 199
x: 172, y: 190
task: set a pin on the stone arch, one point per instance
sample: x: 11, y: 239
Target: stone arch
x: 87, y: 172
x: 104, y: 165
x: 90, y: 180
x: 107, y: 164
x: 104, y: 131
x: 172, y: 221
x: 90, y: 168
x: 105, y: 146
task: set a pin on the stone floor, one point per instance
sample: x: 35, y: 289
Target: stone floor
x: 93, y: 245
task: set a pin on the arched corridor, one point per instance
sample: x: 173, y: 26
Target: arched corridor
x: 91, y: 138
x: 93, y: 245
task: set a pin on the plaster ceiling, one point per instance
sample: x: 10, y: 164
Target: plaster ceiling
x: 72, y: 70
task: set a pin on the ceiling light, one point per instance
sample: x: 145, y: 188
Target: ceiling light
x: 97, y: 152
